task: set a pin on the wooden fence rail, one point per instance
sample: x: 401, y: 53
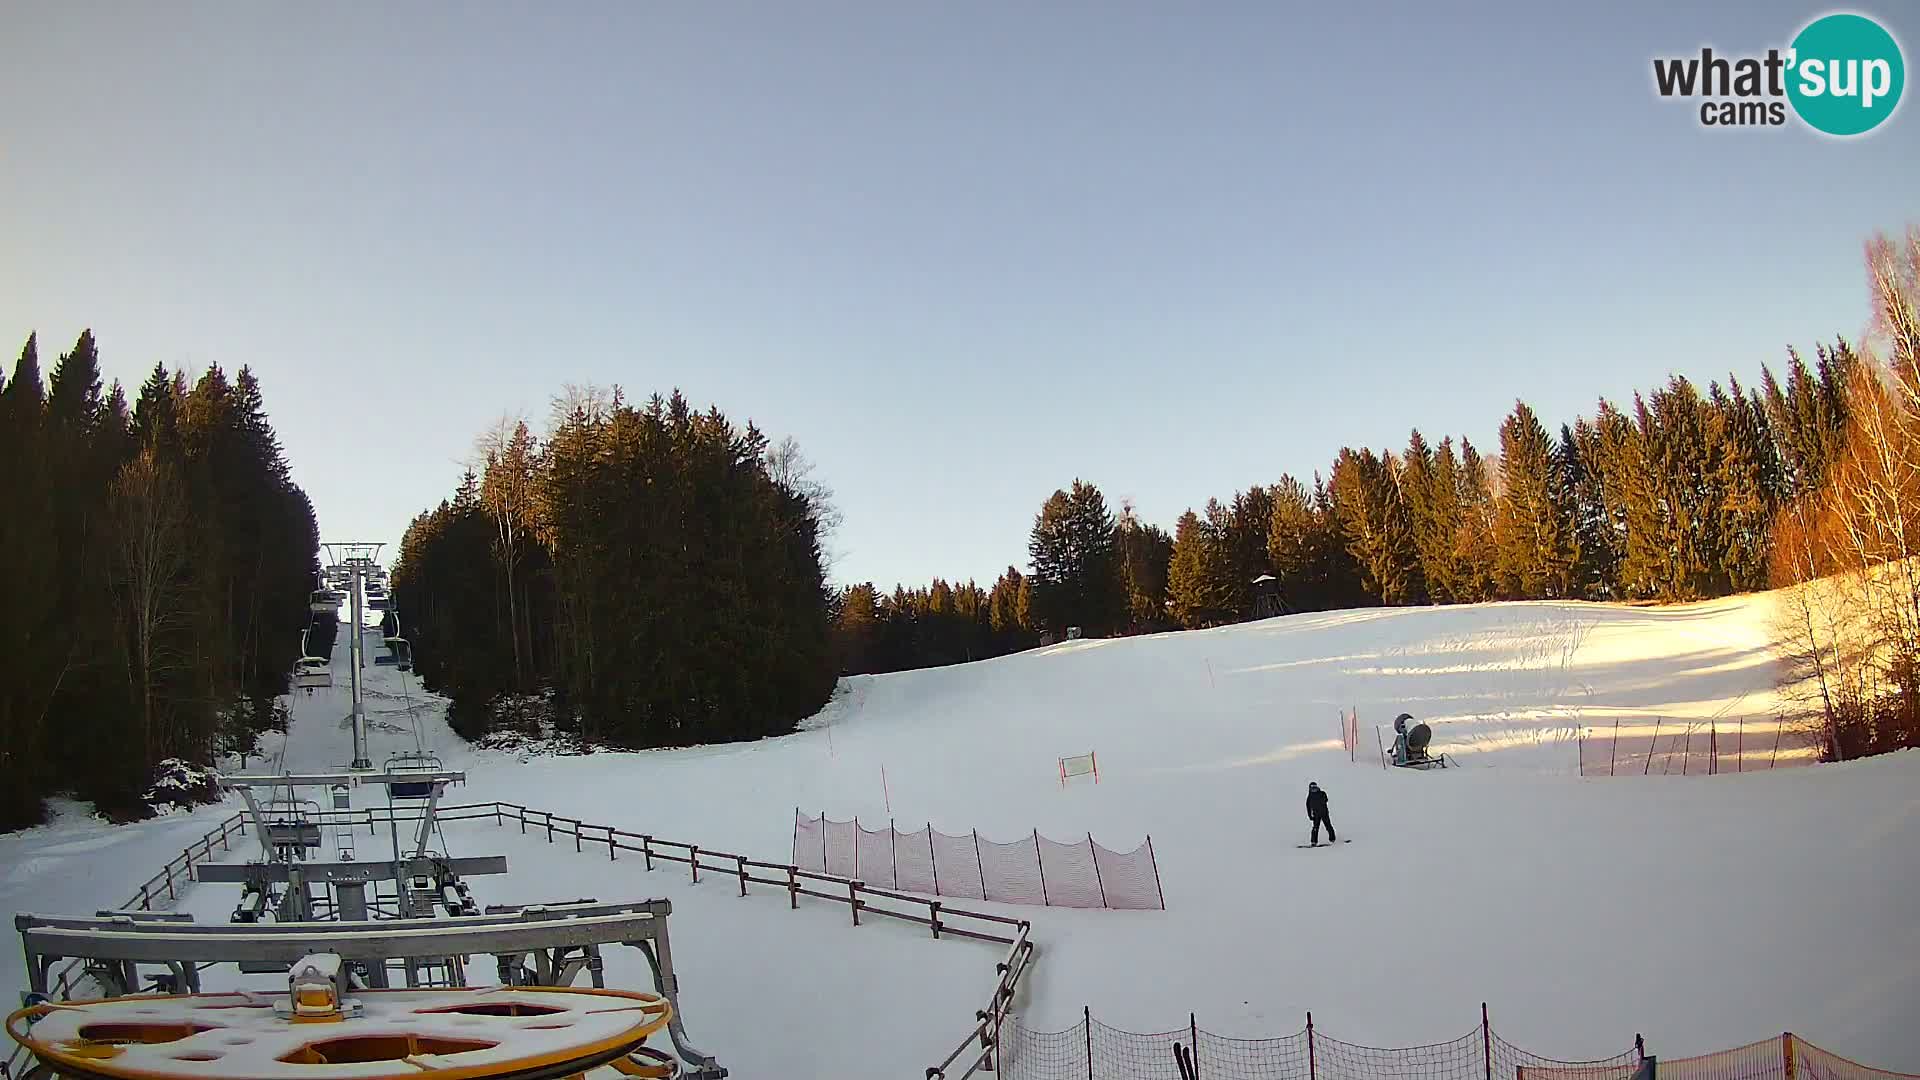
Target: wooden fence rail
x: 939, y: 916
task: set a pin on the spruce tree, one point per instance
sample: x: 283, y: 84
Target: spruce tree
x: 1533, y: 527
x: 1199, y: 575
x: 1075, y: 580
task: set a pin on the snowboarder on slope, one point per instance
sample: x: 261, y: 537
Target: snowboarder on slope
x: 1317, y: 813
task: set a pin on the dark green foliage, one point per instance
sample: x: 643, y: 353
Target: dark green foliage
x: 160, y: 561
x: 1075, y: 579
x: 927, y: 627
x: 1372, y: 515
x: 1142, y: 554
x: 1200, y: 577
x: 658, y: 567
x: 1533, y: 534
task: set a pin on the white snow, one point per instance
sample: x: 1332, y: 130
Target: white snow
x: 1703, y: 911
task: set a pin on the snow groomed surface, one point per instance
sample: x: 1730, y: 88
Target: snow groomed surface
x: 1705, y: 912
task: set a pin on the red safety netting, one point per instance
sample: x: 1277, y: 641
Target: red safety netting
x: 956, y: 862
x: 913, y: 862
x: 1131, y: 879
x: 1012, y: 871
x: 1763, y: 1060
x: 842, y: 848
x: 1031, y: 870
x: 1813, y: 1063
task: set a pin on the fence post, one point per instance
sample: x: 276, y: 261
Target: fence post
x: 1786, y: 1053
x: 933, y: 917
x: 549, y: 815
x: 1651, y: 747
x: 1740, y: 747
x: 610, y: 855
x: 1486, y: 1039
x: 693, y: 861
x: 146, y: 902
x: 1580, y: 754
x: 930, y: 860
x: 1043, y: 868
x: 743, y: 874
x: 823, y: 837
x: 496, y: 813
x: 1613, y: 752
x: 1686, y: 757
x: 1313, y: 1066
x: 796, y: 839
x: 893, y: 851
x: 1381, y: 745
x: 1094, y: 853
x: 1158, y: 891
x: 1086, y: 1022
x: 1193, y: 1044
x: 979, y: 865
x: 856, y: 845
x: 853, y: 900
x: 576, y: 834
x: 1775, y: 763
x: 646, y: 849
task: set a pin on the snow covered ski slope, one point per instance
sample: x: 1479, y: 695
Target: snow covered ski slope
x: 1704, y: 912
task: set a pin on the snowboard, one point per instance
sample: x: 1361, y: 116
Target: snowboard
x: 1327, y: 844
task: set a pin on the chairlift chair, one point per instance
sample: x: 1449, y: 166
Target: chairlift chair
x: 313, y: 673
x: 292, y: 823
x: 414, y: 789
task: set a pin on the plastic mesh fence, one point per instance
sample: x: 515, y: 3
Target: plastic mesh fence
x: 1512, y: 1063
x: 1124, y: 1053
x: 1763, y: 1060
x: 1813, y: 1063
x: 1012, y: 872
x: 843, y: 852
x: 913, y: 862
x: 1091, y: 1050
x: 1073, y: 877
x: 873, y: 856
x: 1251, y: 1059
x: 1044, y: 1055
x: 1032, y: 870
x: 1131, y: 879
x: 956, y: 862
x: 1463, y: 1058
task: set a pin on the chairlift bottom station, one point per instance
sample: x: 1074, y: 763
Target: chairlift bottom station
x: 376, y: 951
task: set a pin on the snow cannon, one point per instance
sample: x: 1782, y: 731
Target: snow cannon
x: 1418, y: 736
x: 1410, y: 745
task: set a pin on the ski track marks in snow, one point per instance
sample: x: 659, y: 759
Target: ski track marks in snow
x: 1704, y: 912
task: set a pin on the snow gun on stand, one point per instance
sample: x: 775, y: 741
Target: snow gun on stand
x: 1410, y: 745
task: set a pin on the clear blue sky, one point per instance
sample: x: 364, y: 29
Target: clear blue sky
x: 963, y: 252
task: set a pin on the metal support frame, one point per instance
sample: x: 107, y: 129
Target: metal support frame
x: 564, y: 940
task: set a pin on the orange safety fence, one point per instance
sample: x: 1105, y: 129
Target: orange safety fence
x: 1034, y: 869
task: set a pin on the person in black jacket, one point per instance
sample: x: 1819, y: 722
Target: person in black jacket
x: 1317, y: 813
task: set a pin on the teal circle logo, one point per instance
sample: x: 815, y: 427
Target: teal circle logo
x: 1846, y: 74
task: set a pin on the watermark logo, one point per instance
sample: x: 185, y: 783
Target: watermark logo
x: 1841, y: 75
